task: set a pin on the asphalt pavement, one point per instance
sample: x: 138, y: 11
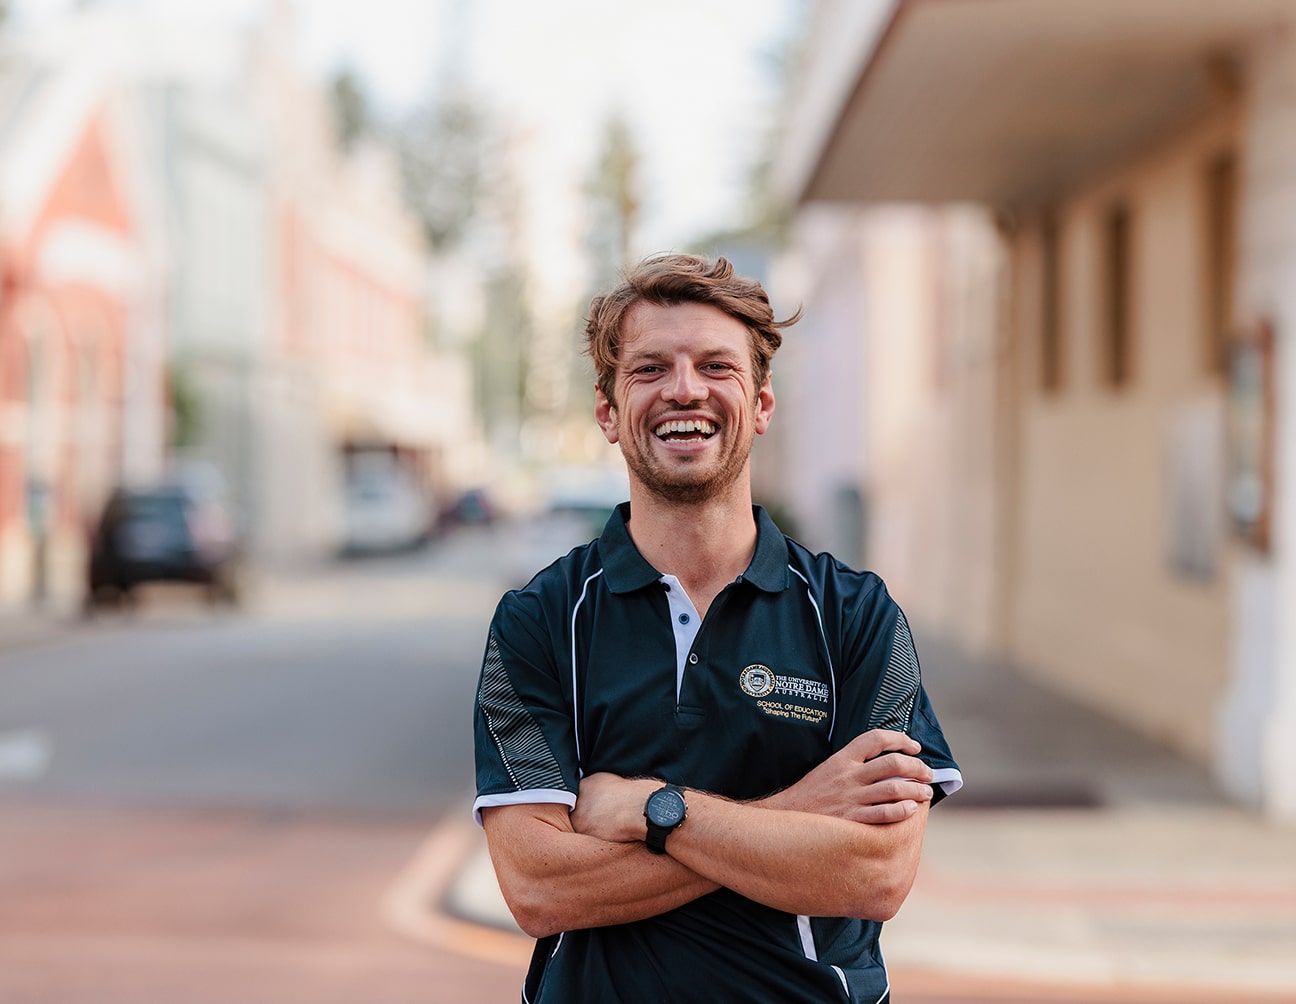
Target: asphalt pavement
x: 1079, y: 863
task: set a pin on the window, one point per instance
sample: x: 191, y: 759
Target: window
x: 1221, y: 256
x: 1050, y: 305
x: 1117, y: 349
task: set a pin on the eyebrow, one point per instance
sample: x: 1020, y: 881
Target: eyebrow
x: 725, y: 354
x: 639, y: 356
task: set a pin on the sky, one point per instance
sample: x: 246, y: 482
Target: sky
x: 693, y: 77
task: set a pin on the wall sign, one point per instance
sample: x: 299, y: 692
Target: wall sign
x: 1251, y: 433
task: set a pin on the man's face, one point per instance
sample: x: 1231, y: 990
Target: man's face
x: 688, y: 407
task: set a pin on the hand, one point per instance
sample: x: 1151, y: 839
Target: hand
x: 611, y: 807
x: 876, y: 778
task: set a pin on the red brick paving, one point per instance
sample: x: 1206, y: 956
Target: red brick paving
x: 146, y: 906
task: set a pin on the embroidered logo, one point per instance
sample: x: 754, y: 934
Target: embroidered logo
x: 798, y: 699
x: 757, y: 680
x: 801, y: 689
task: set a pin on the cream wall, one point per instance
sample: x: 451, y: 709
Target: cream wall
x: 933, y: 278
x: 1257, y: 723
x: 815, y: 447
x: 888, y: 386
x: 906, y: 418
x: 1095, y: 606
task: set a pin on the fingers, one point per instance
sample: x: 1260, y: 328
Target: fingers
x: 896, y: 765
x: 895, y: 789
x: 872, y: 744
x: 891, y: 812
x: 888, y: 801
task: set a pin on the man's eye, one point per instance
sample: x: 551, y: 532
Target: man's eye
x: 648, y: 370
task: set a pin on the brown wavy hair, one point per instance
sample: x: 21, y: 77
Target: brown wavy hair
x: 668, y: 280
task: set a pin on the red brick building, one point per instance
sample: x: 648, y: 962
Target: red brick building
x: 81, y: 377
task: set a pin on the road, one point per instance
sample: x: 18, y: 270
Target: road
x: 215, y: 807
x: 203, y: 806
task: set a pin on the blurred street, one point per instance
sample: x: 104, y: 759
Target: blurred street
x: 270, y: 805
x: 199, y: 805
x: 291, y: 302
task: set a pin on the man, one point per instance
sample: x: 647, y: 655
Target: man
x: 704, y: 754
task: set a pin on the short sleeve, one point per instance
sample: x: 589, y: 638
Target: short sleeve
x: 522, y: 719
x: 882, y: 687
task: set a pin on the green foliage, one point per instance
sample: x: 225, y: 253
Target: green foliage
x: 503, y: 353
x: 614, y: 201
x: 443, y: 155
x: 350, y: 108
x: 186, y: 407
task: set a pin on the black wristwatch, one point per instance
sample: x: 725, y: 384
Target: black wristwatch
x: 664, y: 810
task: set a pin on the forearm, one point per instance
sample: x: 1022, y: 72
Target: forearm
x: 816, y: 848
x: 554, y: 879
x: 800, y: 862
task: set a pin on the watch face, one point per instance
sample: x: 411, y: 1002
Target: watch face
x: 666, y: 808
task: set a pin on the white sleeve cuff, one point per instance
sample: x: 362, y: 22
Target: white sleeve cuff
x: 949, y: 778
x: 529, y: 797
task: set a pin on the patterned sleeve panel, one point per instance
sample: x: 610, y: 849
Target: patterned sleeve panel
x: 883, y: 689
x: 897, y: 691
x: 522, y: 719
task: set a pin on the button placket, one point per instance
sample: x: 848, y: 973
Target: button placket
x: 685, y: 623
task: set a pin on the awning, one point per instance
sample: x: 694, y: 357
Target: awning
x: 1009, y: 102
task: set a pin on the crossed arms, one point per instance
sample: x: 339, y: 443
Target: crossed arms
x: 843, y: 841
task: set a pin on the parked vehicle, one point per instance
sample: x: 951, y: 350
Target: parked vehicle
x: 579, y: 501
x: 472, y: 507
x: 385, y: 511
x: 162, y: 534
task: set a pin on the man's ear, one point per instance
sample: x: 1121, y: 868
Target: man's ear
x: 764, y: 404
x: 605, y: 415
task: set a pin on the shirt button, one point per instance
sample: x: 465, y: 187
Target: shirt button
x: 684, y: 618
x: 693, y: 659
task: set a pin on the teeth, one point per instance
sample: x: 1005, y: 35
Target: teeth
x: 687, y: 425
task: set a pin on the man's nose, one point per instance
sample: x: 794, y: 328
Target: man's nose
x: 685, y: 386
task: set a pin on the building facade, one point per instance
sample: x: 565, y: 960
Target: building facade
x: 82, y: 346
x: 1080, y: 440
x: 200, y: 279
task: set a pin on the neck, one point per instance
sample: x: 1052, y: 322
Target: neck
x: 706, y: 545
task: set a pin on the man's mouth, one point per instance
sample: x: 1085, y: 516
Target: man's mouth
x: 685, y: 429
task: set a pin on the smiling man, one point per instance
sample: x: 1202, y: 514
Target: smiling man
x: 705, y: 756
x: 689, y: 401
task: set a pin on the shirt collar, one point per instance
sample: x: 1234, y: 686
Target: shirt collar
x: 625, y: 569
x: 769, y: 565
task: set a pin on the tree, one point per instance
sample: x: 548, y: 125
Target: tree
x: 350, y: 108
x: 613, y: 204
x: 185, y: 404
x: 614, y: 201
x: 502, y: 357
x: 443, y: 156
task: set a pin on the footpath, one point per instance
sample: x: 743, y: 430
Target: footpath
x: 1079, y: 863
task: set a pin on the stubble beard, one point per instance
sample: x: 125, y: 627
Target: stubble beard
x: 688, y: 486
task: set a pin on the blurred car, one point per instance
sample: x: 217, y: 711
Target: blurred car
x: 162, y: 534
x: 384, y: 511
x: 472, y: 507
x: 579, y: 502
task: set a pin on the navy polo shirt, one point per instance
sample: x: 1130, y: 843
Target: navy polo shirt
x: 601, y: 664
